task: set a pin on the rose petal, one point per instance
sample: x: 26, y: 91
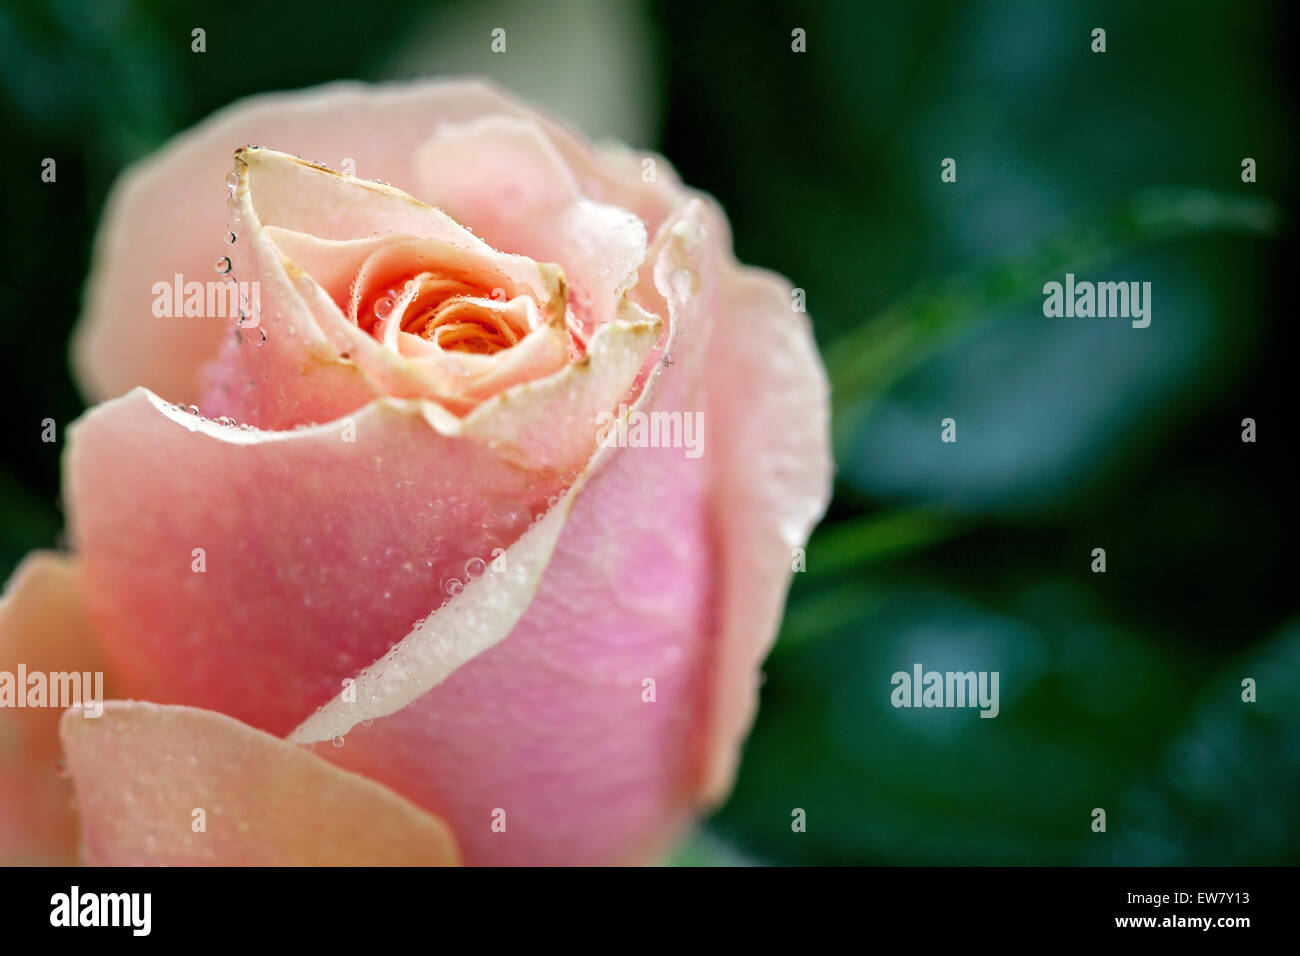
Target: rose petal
x: 467, y: 625
x: 769, y: 411
x: 141, y: 771
x: 319, y: 552
x: 44, y: 626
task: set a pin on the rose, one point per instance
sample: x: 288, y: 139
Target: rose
x: 528, y: 643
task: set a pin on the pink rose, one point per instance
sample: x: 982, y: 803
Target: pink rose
x: 487, y: 568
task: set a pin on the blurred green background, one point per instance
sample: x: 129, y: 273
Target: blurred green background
x: 1119, y: 690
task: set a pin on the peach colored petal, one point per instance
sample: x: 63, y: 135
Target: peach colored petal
x: 167, y: 214
x: 43, y: 625
x: 142, y: 770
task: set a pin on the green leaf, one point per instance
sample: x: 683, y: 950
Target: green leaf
x: 865, y: 362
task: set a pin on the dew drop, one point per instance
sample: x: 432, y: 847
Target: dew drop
x: 337, y: 741
x: 453, y: 586
x: 222, y: 265
x: 475, y: 567
x: 384, y: 306
x: 230, y: 238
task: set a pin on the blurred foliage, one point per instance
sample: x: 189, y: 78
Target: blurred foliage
x: 1119, y: 690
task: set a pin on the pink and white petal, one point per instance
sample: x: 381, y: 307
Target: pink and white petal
x: 769, y: 408
x: 45, y: 627
x: 321, y: 546
x: 167, y: 214
x: 143, y: 771
x: 469, y: 623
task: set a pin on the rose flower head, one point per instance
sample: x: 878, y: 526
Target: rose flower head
x: 449, y: 518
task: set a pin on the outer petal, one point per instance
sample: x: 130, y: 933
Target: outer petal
x: 141, y: 771
x: 769, y: 408
x: 44, y: 625
x: 167, y: 215
x: 318, y: 553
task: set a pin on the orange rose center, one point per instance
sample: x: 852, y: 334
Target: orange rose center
x: 454, y: 314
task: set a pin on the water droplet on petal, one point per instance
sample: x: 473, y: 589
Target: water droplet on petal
x: 337, y: 741
x: 222, y: 265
